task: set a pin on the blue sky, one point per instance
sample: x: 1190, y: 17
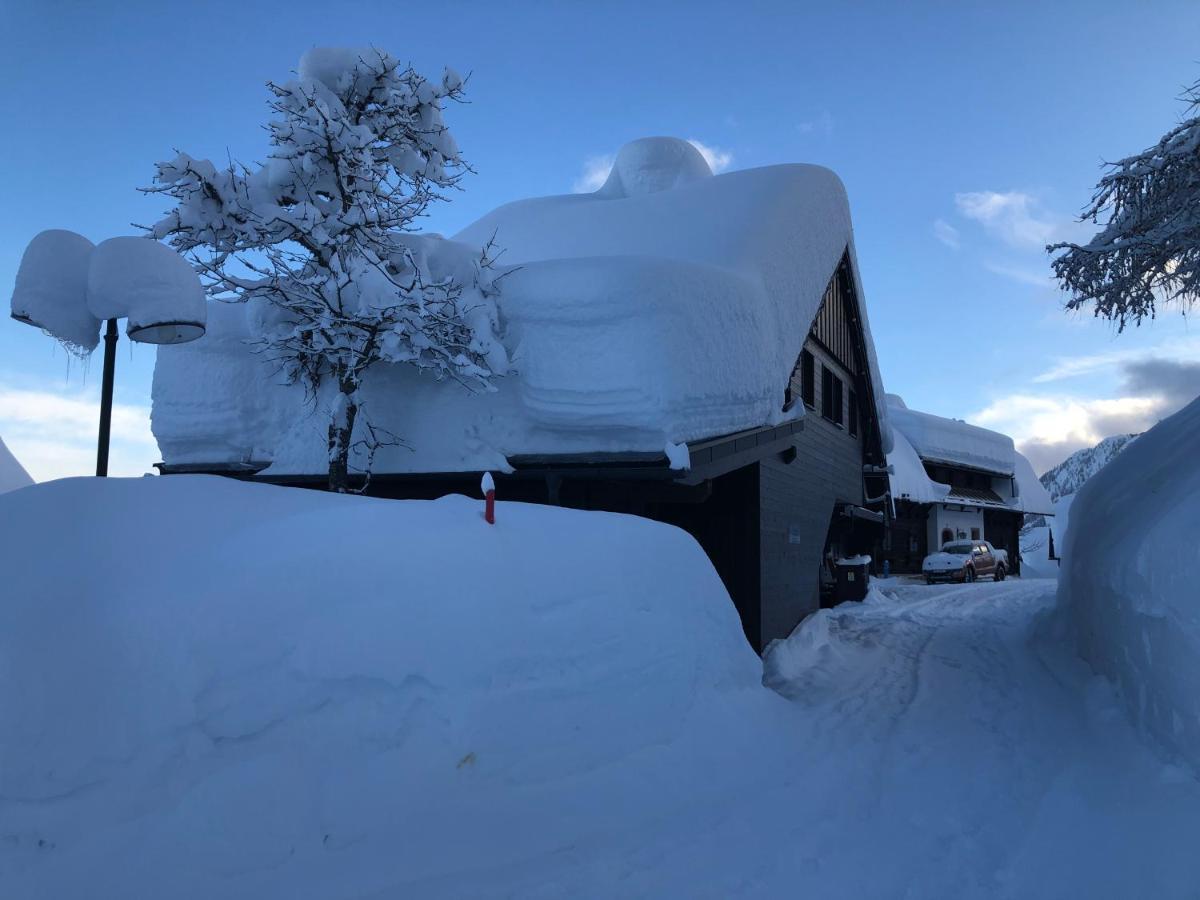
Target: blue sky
x: 967, y: 136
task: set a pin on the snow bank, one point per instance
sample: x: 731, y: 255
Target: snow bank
x: 938, y: 439
x: 12, y: 473
x: 51, y: 289
x: 219, y: 689
x: 1129, y: 575
x: 666, y: 307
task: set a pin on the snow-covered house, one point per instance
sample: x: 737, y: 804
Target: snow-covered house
x: 687, y: 346
x: 954, y: 481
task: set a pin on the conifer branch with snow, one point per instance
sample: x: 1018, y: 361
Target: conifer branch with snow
x: 322, y: 236
x: 1149, y: 249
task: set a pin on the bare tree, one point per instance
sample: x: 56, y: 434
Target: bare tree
x: 1148, y: 250
x: 323, y: 234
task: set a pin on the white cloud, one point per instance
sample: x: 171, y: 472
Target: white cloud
x: 1021, y: 274
x: 1048, y: 429
x: 53, y: 434
x: 718, y: 160
x: 594, y: 174
x: 946, y: 233
x: 1059, y: 418
x: 596, y: 168
x: 1183, y: 349
x: 1015, y: 217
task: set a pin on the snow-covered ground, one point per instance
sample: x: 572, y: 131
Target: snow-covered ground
x: 215, y: 689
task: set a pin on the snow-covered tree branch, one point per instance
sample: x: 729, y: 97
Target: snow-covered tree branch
x: 1148, y: 250
x: 322, y: 236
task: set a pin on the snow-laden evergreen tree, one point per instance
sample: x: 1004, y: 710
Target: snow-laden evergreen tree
x: 321, y: 234
x: 1148, y: 250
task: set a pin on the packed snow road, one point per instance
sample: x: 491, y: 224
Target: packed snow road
x: 958, y: 749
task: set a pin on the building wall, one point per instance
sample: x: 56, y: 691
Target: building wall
x: 957, y: 520
x: 797, y: 503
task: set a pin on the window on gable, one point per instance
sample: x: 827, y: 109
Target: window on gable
x: 808, y: 392
x: 852, y: 415
x: 831, y: 396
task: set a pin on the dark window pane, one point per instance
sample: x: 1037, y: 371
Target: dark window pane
x: 807, y: 382
x: 838, y: 403
x: 826, y: 392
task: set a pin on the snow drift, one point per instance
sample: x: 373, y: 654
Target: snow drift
x: 217, y: 689
x: 1129, y: 574
x: 668, y: 306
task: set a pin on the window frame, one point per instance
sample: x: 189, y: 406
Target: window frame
x: 808, y: 378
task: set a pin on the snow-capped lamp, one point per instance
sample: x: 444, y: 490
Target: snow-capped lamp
x: 488, y: 486
x: 66, y: 287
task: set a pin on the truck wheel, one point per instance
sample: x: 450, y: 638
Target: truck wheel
x: 1000, y: 573
x: 970, y: 576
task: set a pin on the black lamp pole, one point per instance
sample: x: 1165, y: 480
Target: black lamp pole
x: 106, y: 397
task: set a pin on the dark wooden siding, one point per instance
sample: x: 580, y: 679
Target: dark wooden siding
x: 1002, y: 529
x: 798, y: 502
x: 832, y: 327
x: 726, y: 525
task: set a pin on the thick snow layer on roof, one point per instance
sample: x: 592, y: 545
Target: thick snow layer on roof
x: 936, y: 439
x: 1031, y: 496
x: 12, y: 473
x: 909, y: 479
x: 669, y: 306
x: 1128, y: 584
x: 51, y: 289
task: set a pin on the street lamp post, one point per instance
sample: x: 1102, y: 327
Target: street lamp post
x: 106, y: 397
x: 66, y: 286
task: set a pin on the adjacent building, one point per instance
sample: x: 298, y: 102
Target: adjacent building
x: 953, y: 481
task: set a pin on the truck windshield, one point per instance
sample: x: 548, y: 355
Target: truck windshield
x: 958, y: 549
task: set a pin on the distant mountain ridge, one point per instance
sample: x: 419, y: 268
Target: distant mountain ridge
x: 1070, y: 474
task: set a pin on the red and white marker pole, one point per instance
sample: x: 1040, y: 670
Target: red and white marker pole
x: 488, y: 486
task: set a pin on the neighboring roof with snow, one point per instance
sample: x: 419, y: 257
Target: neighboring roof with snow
x: 668, y: 306
x: 919, y: 437
x: 12, y: 473
x: 951, y: 441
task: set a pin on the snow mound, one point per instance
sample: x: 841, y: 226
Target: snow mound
x: 12, y: 473
x: 1128, y: 581
x: 149, y: 284
x: 219, y: 689
x: 653, y: 164
x: 51, y: 288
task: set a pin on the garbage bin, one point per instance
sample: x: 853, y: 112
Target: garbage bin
x: 852, y: 578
